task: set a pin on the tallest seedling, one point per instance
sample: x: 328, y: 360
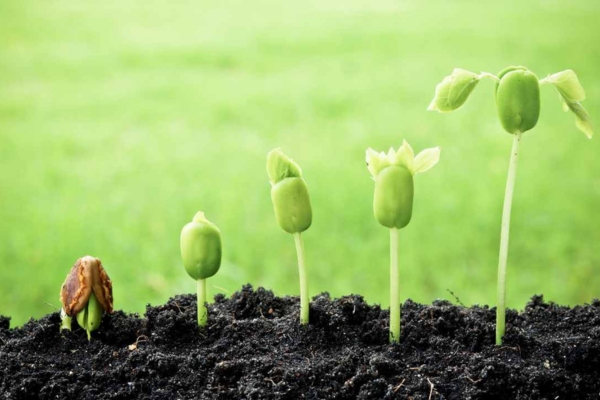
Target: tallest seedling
x: 518, y: 106
x: 292, y: 210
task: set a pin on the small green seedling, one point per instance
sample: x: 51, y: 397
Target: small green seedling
x: 293, y: 212
x: 86, y: 294
x: 518, y: 107
x: 201, y: 253
x: 393, y: 203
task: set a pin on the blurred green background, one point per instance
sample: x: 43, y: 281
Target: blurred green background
x: 120, y: 119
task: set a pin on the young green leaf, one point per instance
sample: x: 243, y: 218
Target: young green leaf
x: 454, y: 90
x: 425, y: 160
x: 567, y: 84
x: 571, y: 91
x: 376, y: 162
x: 582, y: 118
x: 280, y: 166
x: 404, y: 156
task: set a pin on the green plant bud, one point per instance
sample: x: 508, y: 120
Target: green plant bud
x: 518, y: 99
x: 90, y: 317
x: 292, y: 205
x: 289, y: 193
x: 393, y: 199
x: 280, y: 166
x: 201, y: 247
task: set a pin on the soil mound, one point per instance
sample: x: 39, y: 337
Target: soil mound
x: 254, y: 348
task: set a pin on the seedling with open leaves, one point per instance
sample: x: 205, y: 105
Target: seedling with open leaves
x: 518, y: 106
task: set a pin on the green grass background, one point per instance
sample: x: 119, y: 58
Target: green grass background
x: 120, y: 119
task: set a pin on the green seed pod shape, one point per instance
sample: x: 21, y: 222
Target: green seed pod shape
x: 292, y: 204
x: 518, y: 99
x: 201, y: 248
x: 90, y: 317
x: 393, y: 200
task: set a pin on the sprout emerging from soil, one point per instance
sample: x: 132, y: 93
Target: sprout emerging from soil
x: 293, y: 212
x: 201, y: 253
x: 518, y: 107
x: 392, y: 205
x: 86, y: 294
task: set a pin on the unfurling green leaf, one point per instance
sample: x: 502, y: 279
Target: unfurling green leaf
x: 454, y: 90
x: 567, y: 84
x: 572, y: 93
x: 376, y: 162
x: 280, y: 166
x: 404, y: 156
x: 425, y: 160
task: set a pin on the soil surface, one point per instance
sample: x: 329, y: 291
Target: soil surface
x: 254, y: 348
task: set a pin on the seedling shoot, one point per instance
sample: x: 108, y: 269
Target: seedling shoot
x: 201, y: 253
x: 293, y: 211
x: 518, y: 105
x: 393, y: 203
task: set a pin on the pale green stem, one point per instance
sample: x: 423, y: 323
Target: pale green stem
x: 303, y: 284
x: 394, y: 288
x: 545, y: 81
x: 488, y: 75
x: 508, y: 195
x: 65, y: 321
x: 202, y: 312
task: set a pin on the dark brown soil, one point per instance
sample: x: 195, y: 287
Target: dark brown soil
x: 254, y: 348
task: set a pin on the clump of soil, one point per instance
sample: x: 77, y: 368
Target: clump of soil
x: 255, y: 348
